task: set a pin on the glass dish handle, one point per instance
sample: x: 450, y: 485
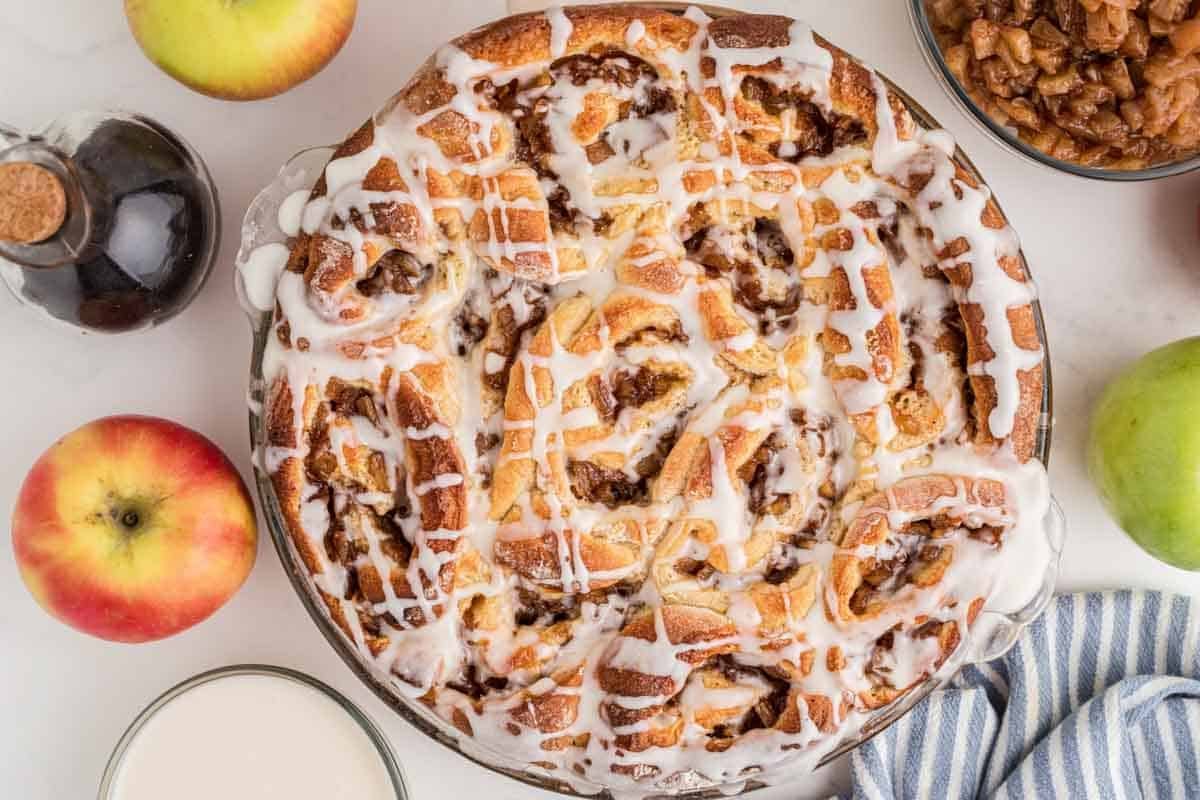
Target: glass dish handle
x: 10, y: 136
x: 998, y: 638
x: 261, y: 223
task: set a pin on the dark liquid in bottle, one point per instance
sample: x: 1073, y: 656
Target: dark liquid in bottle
x: 154, y: 229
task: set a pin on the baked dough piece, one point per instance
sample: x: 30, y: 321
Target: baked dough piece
x: 650, y: 396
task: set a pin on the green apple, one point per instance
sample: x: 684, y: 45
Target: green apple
x: 1144, y: 452
x: 241, y: 49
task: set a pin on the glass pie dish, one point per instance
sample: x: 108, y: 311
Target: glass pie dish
x: 992, y: 634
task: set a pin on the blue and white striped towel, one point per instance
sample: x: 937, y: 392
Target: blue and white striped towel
x: 1100, y: 698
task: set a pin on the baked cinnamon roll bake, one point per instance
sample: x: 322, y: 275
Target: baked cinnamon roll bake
x: 649, y: 395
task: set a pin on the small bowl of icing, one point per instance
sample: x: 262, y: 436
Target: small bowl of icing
x: 251, y: 732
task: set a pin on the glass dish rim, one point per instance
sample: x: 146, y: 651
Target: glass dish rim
x: 1003, y: 136
x: 1007, y: 625
x: 378, y: 740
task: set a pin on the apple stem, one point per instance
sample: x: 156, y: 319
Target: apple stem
x: 130, y: 519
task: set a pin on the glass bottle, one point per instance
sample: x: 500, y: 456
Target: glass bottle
x: 141, y: 227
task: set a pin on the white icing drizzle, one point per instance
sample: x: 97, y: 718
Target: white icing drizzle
x: 291, y: 212
x: 826, y: 445
x: 260, y: 273
x: 951, y: 209
x: 560, y: 31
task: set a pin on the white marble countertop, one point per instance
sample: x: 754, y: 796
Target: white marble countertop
x: 1117, y: 266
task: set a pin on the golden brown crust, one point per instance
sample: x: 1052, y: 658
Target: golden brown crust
x: 937, y: 502
x: 525, y: 38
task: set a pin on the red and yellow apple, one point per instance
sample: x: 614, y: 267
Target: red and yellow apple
x: 241, y: 49
x: 133, y: 529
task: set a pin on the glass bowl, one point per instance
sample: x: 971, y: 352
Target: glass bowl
x: 990, y: 636
x: 387, y: 757
x: 1007, y: 137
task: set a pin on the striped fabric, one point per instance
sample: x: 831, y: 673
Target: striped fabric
x: 1100, y: 698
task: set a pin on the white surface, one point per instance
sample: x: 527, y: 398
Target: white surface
x: 279, y: 723
x: 1117, y: 267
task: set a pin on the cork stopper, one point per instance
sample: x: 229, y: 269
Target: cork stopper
x: 33, y: 204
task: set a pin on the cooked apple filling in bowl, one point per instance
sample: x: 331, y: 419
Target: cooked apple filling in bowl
x: 645, y: 402
x: 1098, y: 88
